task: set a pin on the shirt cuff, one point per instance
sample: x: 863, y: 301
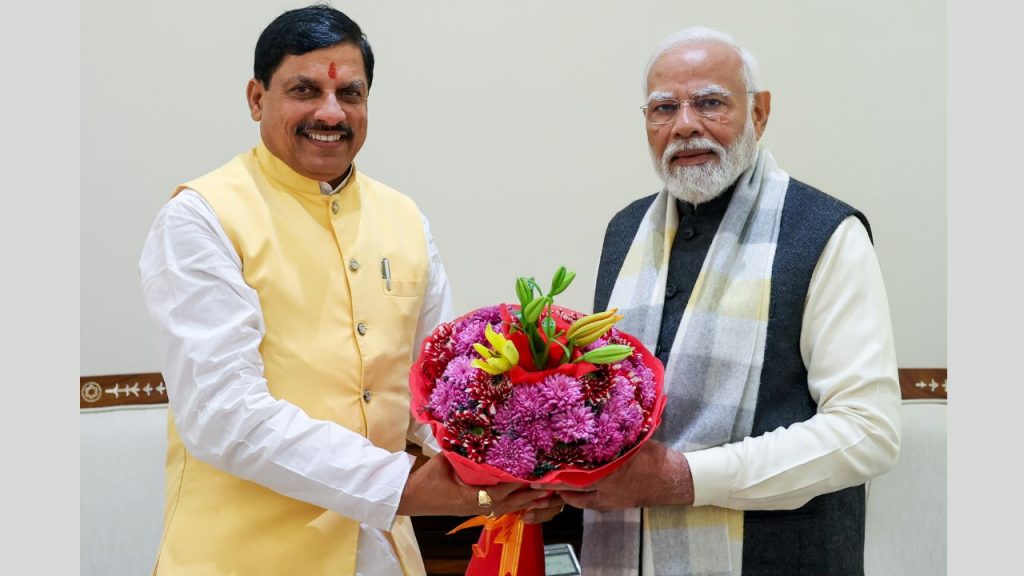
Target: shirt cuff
x: 382, y: 514
x: 712, y: 472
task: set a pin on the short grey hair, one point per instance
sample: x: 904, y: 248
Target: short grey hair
x: 699, y: 34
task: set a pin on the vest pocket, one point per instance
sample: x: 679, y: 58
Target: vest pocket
x: 403, y: 288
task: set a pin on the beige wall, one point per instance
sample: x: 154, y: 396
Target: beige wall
x: 487, y: 111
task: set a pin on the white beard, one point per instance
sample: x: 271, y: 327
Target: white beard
x: 703, y: 182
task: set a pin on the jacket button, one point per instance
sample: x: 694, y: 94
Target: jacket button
x: 367, y: 395
x: 334, y: 207
x: 361, y: 328
x: 688, y: 233
x: 353, y: 264
x: 670, y: 290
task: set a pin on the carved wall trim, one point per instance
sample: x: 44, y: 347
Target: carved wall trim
x: 121, y: 390
x: 923, y: 383
x: 148, y: 388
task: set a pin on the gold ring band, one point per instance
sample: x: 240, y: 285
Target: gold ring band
x: 483, y: 499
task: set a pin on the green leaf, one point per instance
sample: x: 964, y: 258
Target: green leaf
x: 568, y: 351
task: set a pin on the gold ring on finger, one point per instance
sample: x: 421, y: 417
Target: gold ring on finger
x: 483, y: 499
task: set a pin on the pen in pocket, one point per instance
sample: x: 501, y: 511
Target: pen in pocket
x: 385, y: 273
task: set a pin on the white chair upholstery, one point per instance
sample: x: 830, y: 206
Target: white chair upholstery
x: 906, y: 508
x: 122, y: 455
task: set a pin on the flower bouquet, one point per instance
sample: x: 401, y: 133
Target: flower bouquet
x: 534, y: 393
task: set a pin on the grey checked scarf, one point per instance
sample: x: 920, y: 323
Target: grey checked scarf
x: 712, y: 376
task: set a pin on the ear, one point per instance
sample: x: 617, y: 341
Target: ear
x: 254, y: 96
x: 762, y: 107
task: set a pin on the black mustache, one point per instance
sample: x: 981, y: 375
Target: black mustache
x: 345, y: 129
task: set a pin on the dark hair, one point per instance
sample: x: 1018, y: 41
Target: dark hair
x: 303, y: 30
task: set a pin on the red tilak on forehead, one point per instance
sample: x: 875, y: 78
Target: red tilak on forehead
x: 332, y: 72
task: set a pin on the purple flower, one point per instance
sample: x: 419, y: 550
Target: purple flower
x: 446, y: 398
x: 512, y: 454
x: 559, y: 392
x: 607, y: 430
x: 467, y: 333
x: 488, y: 314
x: 645, y: 388
x: 525, y: 414
x: 523, y: 406
x: 573, y: 423
x: 631, y: 422
x: 460, y: 371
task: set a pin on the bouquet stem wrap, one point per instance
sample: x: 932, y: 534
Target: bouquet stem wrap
x: 507, y: 546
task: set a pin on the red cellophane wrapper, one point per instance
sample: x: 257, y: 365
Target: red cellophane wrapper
x: 487, y: 552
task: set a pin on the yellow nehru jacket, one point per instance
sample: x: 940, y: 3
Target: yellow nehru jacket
x: 338, y: 344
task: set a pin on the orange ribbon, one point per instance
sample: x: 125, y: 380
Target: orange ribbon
x: 506, y: 530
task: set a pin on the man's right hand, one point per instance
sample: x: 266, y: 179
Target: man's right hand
x: 435, y: 490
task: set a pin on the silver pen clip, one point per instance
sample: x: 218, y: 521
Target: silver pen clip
x: 385, y: 273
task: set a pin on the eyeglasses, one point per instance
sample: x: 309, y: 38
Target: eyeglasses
x: 711, y: 106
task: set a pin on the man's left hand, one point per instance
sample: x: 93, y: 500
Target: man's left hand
x: 655, y: 476
x: 544, y: 509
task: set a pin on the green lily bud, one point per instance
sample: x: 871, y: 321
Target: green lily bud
x: 582, y: 323
x: 523, y: 291
x: 532, y: 310
x: 607, y: 354
x: 548, y: 325
x: 556, y: 280
x: 563, y: 283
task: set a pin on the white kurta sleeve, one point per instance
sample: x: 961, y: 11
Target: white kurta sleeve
x: 437, y: 308
x: 209, y: 325
x: 847, y: 345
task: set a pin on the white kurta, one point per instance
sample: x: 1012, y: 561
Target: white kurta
x: 187, y: 228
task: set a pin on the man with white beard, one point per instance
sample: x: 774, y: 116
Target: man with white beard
x: 764, y: 299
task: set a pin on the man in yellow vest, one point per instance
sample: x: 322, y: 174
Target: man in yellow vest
x: 289, y: 292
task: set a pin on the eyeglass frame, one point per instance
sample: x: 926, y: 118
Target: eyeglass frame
x: 710, y: 91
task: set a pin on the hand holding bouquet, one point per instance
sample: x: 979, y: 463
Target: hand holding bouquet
x: 535, y: 393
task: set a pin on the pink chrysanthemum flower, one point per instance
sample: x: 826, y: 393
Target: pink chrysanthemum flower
x: 468, y: 333
x: 514, y: 455
x: 559, y: 391
x: 573, y: 423
x: 488, y: 314
x: 645, y: 387
x: 446, y: 398
x: 460, y: 371
x: 607, y: 429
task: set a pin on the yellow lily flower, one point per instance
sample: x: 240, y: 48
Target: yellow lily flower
x: 499, y: 359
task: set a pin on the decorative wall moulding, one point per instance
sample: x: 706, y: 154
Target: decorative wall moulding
x: 121, y: 390
x: 142, y: 389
